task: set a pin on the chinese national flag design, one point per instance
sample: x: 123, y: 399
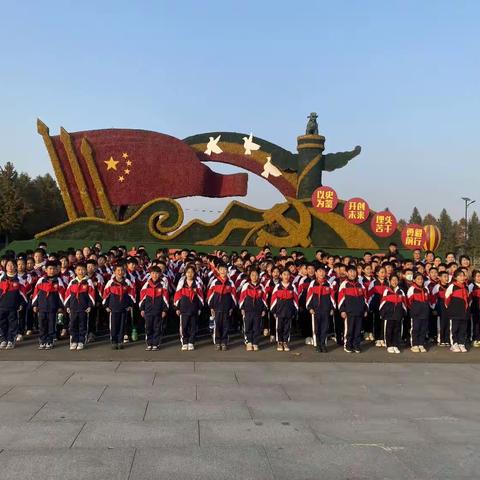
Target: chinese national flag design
x: 136, y: 166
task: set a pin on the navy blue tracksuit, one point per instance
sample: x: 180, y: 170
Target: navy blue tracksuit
x: 48, y: 298
x: 79, y: 297
x: 351, y: 300
x: 12, y: 298
x: 188, y: 300
x: 153, y: 302
x: 284, y: 306
x: 253, y: 303
x: 320, y: 299
x: 222, y: 299
x: 118, y: 297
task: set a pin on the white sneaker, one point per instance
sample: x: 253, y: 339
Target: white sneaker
x: 422, y: 349
x: 28, y: 333
x: 397, y: 350
x: 191, y: 347
x: 415, y: 349
x: 19, y: 338
x: 308, y: 341
x: 391, y: 349
x: 80, y: 346
x: 125, y: 339
x: 184, y: 347
x: 378, y: 343
x: 3, y: 345
x: 455, y: 348
x: 73, y: 346
x: 266, y: 332
x: 148, y: 348
x: 462, y: 348
x: 272, y: 338
x: 11, y: 346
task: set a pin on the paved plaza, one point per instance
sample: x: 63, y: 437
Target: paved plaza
x: 218, y: 419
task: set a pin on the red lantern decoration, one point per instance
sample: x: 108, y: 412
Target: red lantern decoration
x: 413, y: 236
x: 324, y: 199
x: 383, y: 224
x: 356, y: 210
x: 433, y: 237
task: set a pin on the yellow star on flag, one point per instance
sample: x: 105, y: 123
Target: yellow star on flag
x: 129, y: 163
x: 127, y: 171
x: 111, y: 164
x: 125, y: 155
x: 121, y: 179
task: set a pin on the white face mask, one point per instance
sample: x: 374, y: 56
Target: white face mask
x: 409, y: 277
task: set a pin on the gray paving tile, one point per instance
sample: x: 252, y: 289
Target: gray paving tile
x: 195, y: 378
x: 197, y: 410
x: 9, y: 366
x: 315, y: 461
x: 19, y: 411
x: 158, y: 392
x: 28, y: 436
x: 240, y: 392
x: 293, y: 410
x: 396, y: 432
x: 34, y: 378
x: 88, y: 410
x: 151, y: 434
x: 445, y: 461
x: 79, y: 367
x: 67, y: 464
x: 249, y: 432
x: 209, y: 463
x: 143, y: 379
x: 454, y: 431
x: 65, y: 393
x: 160, y: 367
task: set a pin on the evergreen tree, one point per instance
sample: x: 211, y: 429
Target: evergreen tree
x: 415, y: 217
x: 12, y: 204
x: 474, y: 235
x: 429, y: 219
x: 445, y: 226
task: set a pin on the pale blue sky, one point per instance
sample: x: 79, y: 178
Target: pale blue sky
x: 399, y: 78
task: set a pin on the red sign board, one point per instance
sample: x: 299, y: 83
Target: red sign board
x: 383, y: 224
x: 413, y: 236
x: 356, y: 210
x: 324, y: 199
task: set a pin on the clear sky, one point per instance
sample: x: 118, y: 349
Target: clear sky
x: 399, y: 78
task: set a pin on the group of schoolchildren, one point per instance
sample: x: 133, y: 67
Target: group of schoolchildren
x: 384, y: 298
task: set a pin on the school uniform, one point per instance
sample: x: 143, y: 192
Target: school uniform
x: 48, y: 297
x: 154, y: 299
x: 12, y: 298
x: 475, y: 311
x: 188, y: 299
x: 418, y: 303
x: 79, y: 297
x: 253, y: 302
x: 304, y: 318
x: 457, y: 303
x: 118, y: 297
x: 284, y: 307
x: 352, y: 301
x: 393, y: 308
x: 374, y: 297
x: 321, y: 299
x: 222, y: 300
x: 443, y: 322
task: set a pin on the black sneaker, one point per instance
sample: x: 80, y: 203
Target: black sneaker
x: 347, y: 349
x: 323, y: 348
x: 318, y: 348
x: 217, y: 346
x: 357, y: 350
x: 224, y: 348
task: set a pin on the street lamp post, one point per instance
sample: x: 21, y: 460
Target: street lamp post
x: 468, y: 202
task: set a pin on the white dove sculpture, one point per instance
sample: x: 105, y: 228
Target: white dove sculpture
x: 212, y: 146
x: 270, y: 169
x: 248, y: 144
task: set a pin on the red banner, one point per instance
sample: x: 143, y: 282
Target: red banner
x: 356, y: 210
x: 324, y: 199
x: 383, y: 224
x: 413, y: 236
